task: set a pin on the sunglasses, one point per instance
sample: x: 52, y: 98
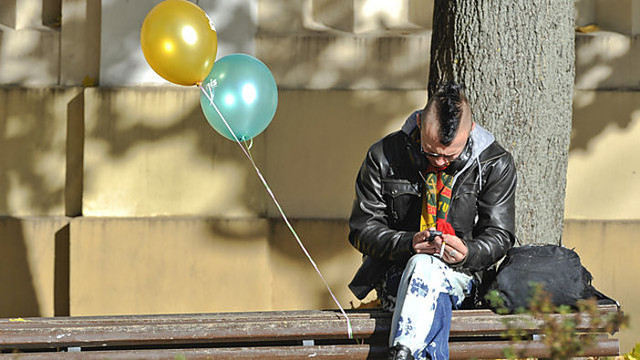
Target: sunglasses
x: 447, y: 158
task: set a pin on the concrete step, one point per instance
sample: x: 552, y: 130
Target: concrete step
x: 339, y: 60
x: 622, y: 16
x: 351, y: 16
x: 333, y: 60
x: 29, y: 57
x: 607, y: 60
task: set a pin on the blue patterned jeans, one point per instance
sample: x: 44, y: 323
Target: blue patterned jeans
x: 427, y: 292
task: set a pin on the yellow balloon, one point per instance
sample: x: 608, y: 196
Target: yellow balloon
x: 179, y: 42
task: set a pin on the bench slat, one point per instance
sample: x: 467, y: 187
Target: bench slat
x: 232, y: 327
x: 231, y: 316
x: 458, y: 350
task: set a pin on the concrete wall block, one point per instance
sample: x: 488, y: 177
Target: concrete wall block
x: 193, y: 264
x: 389, y: 15
x: 353, y: 16
x: 635, y: 18
x: 585, y: 12
x: 607, y: 60
x: 421, y: 13
x: 29, y: 57
x: 615, y: 15
x: 281, y: 16
x: 168, y: 265
x: 8, y: 13
x: 371, y: 16
x: 32, y: 14
x: 32, y: 280
x: 609, y: 250
x: 296, y: 284
x: 31, y: 44
x: 34, y: 141
x: 606, y: 127
x: 335, y: 14
x: 318, y: 140
x: 150, y: 151
x: 622, y: 16
x: 334, y: 61
x: 80, y: 42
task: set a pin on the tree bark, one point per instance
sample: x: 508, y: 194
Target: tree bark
x: 516, y: 59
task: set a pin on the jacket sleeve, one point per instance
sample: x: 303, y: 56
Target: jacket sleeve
x: 494, y: 231
x: 369, y: 227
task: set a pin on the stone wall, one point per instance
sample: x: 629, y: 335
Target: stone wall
x: 117, y: 197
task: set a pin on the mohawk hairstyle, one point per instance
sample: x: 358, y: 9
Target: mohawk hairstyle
x: 448, y: 100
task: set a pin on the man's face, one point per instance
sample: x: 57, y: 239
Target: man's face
x: 440, y: 155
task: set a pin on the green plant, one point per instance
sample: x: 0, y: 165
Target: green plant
x: 634, y: 354
x: 559, y: 333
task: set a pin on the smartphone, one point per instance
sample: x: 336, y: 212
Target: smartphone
x: 433, y: 234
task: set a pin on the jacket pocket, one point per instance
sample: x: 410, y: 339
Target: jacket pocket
x: 464, y: 209
x: 403, y: 204
x: 467, y: 192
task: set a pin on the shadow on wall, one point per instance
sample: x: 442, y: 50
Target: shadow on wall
x: 32, y: 136
x: 34, y: 271
x: 296, y: 283
x: 170, y: 150
x: 236, y: 30
x: 61, y: 272
x: 329, y: 45
x: 31, y: 53
x: 605, y: 64
x: 603, y: 109
x: 31, y: 141
x: 19, y: 296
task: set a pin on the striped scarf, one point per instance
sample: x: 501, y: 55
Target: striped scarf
x: 436, y: 200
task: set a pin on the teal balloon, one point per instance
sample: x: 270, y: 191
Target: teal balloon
x: 244, y: 92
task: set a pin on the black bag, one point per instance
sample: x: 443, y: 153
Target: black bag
x: 556, y: 268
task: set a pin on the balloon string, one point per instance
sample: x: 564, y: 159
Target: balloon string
x: 282, y: 214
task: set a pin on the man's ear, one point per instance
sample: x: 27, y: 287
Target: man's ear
x: 418, y: 118
x: 473, y: 125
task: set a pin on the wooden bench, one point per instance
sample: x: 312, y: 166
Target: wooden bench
x: 316, y: 334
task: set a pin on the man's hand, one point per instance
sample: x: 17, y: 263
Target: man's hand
x: 454, y: 250
x: 421, y: 245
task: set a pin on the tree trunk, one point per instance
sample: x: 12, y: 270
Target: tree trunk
x: 516, y: 59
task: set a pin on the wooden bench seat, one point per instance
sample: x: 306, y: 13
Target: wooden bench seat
x: 314, y: 334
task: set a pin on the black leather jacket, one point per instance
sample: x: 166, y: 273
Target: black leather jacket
x: 386, y: 211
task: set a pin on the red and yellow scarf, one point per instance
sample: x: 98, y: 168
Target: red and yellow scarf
x: 436, y: 200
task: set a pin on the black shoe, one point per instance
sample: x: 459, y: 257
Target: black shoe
x: 400, y: 352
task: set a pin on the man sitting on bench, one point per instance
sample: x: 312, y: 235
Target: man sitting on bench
x: 434, y: 209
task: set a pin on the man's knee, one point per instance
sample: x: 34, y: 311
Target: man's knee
x: 423, y: 264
